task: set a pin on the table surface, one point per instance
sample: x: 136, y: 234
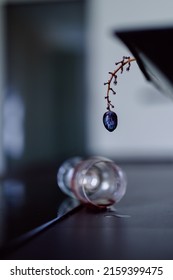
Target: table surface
x: 140, y: 226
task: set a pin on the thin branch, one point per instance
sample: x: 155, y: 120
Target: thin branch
x: 113, y: 75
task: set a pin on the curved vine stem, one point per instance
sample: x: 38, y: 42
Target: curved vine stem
x: 125, y: 61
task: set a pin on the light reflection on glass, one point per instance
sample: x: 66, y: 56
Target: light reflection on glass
x: 96, y: 180
x: 66, y: 206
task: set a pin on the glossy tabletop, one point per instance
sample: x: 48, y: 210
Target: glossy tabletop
x: 140, y: 226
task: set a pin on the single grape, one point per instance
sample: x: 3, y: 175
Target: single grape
x: 110, y: 120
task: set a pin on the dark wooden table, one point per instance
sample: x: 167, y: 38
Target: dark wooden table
x: 141, y: 226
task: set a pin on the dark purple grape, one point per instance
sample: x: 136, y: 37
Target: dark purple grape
x: 110, y: 120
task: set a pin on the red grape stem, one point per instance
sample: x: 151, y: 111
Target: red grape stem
x: 125, y: 60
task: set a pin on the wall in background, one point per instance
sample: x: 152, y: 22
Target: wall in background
x: 43, y: 107
x: 145, y: 115
x: 75, y: 127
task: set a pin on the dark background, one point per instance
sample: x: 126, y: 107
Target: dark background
x: 44, y: 115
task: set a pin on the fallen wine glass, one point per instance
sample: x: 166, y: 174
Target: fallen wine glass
x: 98, y: 181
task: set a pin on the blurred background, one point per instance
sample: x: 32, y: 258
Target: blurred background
x: 43, y: 103
x: 54, y: 59
x: 144, y: 130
